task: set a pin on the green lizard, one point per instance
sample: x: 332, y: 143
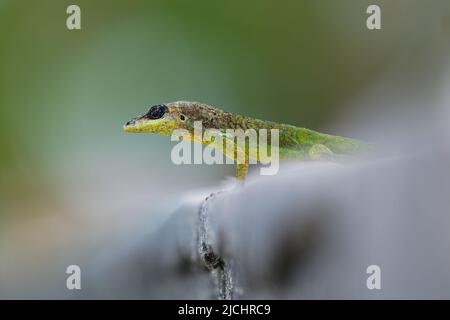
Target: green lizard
x: 294, y: 142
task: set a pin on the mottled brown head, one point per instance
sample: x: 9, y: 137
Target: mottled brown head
x: 164, y: 118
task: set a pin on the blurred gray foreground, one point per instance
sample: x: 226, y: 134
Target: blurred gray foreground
x: 309, y: 232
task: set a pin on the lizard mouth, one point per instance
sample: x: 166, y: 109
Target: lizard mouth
x: 134, y: 125
x: 142, y: 124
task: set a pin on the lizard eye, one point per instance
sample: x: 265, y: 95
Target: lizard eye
x: 157, y: 112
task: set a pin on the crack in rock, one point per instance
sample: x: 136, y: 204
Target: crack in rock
x: 221, y: 270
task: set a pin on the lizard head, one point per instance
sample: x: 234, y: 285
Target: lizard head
x: 164, y: 118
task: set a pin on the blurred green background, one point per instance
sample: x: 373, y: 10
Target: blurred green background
x: 65, y: 162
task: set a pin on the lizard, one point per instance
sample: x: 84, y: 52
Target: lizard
x: 294, y: 142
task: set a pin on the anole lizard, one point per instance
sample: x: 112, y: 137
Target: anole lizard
x: 294, y: 142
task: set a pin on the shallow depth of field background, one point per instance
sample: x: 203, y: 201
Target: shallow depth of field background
x: 70, y: 178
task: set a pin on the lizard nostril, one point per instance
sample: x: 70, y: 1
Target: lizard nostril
x: 129, y: 123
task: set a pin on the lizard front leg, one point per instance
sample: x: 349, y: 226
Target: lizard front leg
x: 241, y: 156
x: 242, y: 170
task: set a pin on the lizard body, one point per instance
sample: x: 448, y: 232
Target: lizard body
x: 294, y: 142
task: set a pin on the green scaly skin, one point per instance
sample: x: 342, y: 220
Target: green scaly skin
x: 294, y: 142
